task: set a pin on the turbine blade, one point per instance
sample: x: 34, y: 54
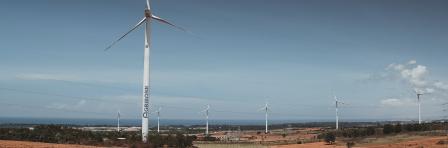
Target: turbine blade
x: 166, y: 22
x: 207, y: 108
x: 147, y: 5
x: 135, y: 27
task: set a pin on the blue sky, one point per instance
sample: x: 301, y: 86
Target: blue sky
x: 293, y: 53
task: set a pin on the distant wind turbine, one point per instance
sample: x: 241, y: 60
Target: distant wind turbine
x: 158, y: 119
x: 419, y: 109
x: 206, y: 119
x: 337, y: 102
x: 266, y: 109
x: 146, y: 87
x: 118, y: 121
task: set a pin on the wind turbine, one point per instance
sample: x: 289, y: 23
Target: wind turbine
x: 266, y: 109
x: 419, y: 109
x: 206, y: 119
x: 146, y: 87
x: 337, y: 112
x: 118, y: 121
x: 158, y: 119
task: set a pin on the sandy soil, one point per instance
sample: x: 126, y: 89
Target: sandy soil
x: 27, y: 144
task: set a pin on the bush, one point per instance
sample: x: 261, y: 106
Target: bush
x: 388, y: 128
x: 370, y: 131
x: 397, y: 128
x: 350, y: 144
x: 442, y: 142
x: 330, y: 138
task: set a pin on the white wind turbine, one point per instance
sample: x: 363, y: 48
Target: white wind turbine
x: 419, y: 109
x: 146, y: 87
x: 158, y: 119
x: 337, y: 102
x: 118, y: 121
x: 206, y: 119
x: 266, y: 109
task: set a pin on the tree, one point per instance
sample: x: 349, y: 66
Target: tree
x: 397, y: 128
x: 370, y: 131
x: 330, y: 138
x: 388, y: 128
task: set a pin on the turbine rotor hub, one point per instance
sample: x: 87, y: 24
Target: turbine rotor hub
x: 147, y: 13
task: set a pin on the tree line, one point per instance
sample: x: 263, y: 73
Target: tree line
x: 386, y: 129
x: 69, y: 135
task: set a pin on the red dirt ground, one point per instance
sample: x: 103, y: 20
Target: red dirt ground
x: 428, y: 142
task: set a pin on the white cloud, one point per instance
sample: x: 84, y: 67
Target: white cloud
x: 57, y: 106
x: 78, y: 105
x: 397, y: 67
x: 39, y: 76
x: 397, y: 102
x: 124, y: 98
x: 412, y: 62
x: 391, y: 102
x: 441, y: 85
x: 429, y: 90
x: 417, y: 77
x: 413, y: 74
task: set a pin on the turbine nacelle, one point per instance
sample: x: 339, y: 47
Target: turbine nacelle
x: 148, y: 13
x: 418, y: 96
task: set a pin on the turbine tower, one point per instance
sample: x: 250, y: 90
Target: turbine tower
x: 419, y: 109
x: 118, y: 121
x: 206, y: 119
x: 337, y: 102
x: 266, y: 109
x: 146, y: 87
x: 158, y: 119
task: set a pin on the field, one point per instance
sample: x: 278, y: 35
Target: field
x: 277, y: 136
x: 26, y: 144
x: 381, y: 136
x: 408, y: 141
x: 398, y: 141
